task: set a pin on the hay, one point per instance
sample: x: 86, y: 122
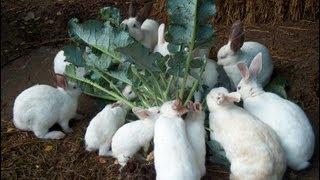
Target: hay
x: 266, y: 11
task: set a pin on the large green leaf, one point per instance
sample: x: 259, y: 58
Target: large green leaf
x: 121, y: 73
x: 111, y: 14
x: 74, y: 55
x: 190, y: 19
x: 136, y: 53
x: 182, y: 21
x: 97, y: 59
x: 101, y: 36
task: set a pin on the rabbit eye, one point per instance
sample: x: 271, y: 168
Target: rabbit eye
x: 134, y: 25
x: 158, y: 112
x: 239, y: 87
x: 74, y: 87
x: 130, y: 92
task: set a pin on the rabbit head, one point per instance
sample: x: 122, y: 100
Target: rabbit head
x: 220, y: 97
x: 151, y: 113
x: 134, y: 22
x: 248, y: 86
x: 173, y: 108
x: 229, y: 53
x: 128, y: 92
x: 69, y: 87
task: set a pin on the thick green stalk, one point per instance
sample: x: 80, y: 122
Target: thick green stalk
x: 168, y: 88
x: 193, y: 89
x: 190, y: 54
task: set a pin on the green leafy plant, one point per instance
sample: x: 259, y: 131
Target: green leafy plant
x: 113, y: 59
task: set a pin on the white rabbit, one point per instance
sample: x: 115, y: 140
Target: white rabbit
x: 59, y: 66
x: 174, y: 157
x: 162, y: 45
x: 239, y: 51
x: 286, y: 118
x: 132, y: 136
x: 252, y: 147
x: 140, y: 28
x: 41, y: 106
x: 103, y: 126
x: 197, y: 134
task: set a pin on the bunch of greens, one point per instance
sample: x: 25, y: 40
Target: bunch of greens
x: 113, y: 59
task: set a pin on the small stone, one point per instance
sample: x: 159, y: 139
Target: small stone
x: 30, y: 15
x: 59, y: 13
x: 50, y: 21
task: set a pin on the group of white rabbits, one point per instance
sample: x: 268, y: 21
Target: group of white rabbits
x: 260, y: 139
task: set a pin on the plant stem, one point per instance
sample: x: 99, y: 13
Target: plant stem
x: 190, y: 54
x: 106, y: 79
x: 114, y: 95
x: 168, y: 88
x: 193, y: 89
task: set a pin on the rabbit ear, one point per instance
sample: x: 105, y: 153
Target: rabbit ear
x: 197, y: 106
x: 233, y: 97
x: 140, y: 112
x: 144, y: 12
x: 161, y: 29
x: 131, y: 12
x: 236, y: 37
x: 178, y: 106
x: 256, y: 65
x: 244, y: 71
x: 61, y: 81
x: 190, y: 106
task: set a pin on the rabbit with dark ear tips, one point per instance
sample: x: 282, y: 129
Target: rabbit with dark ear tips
x: 41, y: 106
x: 239, y: 51
x: 140, y: 28
x: 287, y: 119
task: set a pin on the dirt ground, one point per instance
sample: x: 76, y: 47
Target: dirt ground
x: 32, y: 32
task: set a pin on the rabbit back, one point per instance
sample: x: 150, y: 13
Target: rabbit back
x: 131, y: 137
x: 41, y: 106
x: 197, y: 136
x: 174, y: 157
x: 238, y: 132
x: 103, y: 126
x: 289, y: 122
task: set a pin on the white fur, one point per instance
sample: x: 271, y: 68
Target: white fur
x: 174, y: 157
x: 196, y: 136
x: 102, y: 127
x: 229, y: 59
x: 146, y: 33
x: 286, y: 118
x: 251, y: 146
x: 131, y: 137
x: 162, y: 45
x: 60, y: 63
x: 41, y: 106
